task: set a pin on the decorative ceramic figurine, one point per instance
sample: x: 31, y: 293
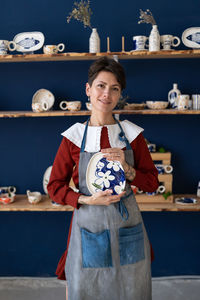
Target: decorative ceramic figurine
x: 34, y: 197
x: 154, y: 38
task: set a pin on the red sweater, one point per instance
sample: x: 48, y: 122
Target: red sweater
x: 66, y: 164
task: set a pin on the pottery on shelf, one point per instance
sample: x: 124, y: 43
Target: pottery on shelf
x: 191, y: 37
x: 43, y: 100
x: 154, y: 39
x: 88, y: 105
x: 70, y: 105
x: 94, y: 42
x: 34, y: 197
x: 28, y: 42
x: 157, y: 104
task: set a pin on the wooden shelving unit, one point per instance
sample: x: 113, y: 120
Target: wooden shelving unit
x: 21, y: 204
x: 58, y: 113
x: 73, y: 56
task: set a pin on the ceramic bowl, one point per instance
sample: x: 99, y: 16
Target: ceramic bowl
x: 88, y: 105
x: 131, y: 106
x: 7, y: 198
x: 157, y: 104
x: 73, y: 105
x: 43, y: 96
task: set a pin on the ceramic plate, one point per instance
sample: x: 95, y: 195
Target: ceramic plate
x: 186, y: 201
x: 191, y: 37
x: 46, y: 178
x: 102, y: 174
x: 44, y: 95
x: 29, y: 41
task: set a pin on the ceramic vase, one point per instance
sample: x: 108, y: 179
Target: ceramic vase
x: 154, y: 39
x: 94, y: 41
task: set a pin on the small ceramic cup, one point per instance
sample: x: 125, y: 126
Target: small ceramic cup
x: 40, y: 106
x: 161, y: 189
x: 8, y: 189
x: 196, y: 102
x: 34, y: 197
x: 70, y: 105
x: 53, y: 49
x: 183, y: 102
x: 139, y: 42
x: 6, y: 46
x: 168, y: 41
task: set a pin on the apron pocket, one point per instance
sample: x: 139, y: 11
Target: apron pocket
x: 96, y: 249
x: 131, y: 244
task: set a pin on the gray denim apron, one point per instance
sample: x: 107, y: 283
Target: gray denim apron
x: 109, y: 254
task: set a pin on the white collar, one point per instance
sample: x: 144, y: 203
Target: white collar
x: 76, y: 131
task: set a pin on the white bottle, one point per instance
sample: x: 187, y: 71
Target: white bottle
x: 154, y: 39
x: 173, y: 96
x: 94, y: 41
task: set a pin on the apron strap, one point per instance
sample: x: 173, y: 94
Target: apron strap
x: 122, y: 136
x: 122, y: 207
x: 84, y: 136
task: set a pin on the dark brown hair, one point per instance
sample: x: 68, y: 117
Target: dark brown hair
x: 108, y: 65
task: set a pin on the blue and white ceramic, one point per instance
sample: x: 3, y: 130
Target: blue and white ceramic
x: 28, y: 42
x: 186, y: 201
x: 103, y: 174
x: 139, y: 42
x: 6, y: 46
x: 191, y: 37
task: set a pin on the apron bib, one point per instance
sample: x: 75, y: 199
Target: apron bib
x: 109, y: 254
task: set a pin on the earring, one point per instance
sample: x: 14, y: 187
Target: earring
x: 88, y: 98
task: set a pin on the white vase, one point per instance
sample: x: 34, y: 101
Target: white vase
x: 94, y: 41
x: 154, y: 39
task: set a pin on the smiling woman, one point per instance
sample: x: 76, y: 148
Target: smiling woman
x: 108, y: 253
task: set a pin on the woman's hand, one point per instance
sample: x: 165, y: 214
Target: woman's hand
x: 100, y: 198
x: 118, y: 154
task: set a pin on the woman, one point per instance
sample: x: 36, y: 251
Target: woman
x: 108, y: 252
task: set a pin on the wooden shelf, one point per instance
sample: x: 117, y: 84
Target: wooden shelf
x: 58, y: 113
x: 21, y: 204
x: 73, y: 56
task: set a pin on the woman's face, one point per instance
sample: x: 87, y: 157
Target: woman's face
x: 104, y: 92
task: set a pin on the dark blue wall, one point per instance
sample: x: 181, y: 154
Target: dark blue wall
x: 31, y: 243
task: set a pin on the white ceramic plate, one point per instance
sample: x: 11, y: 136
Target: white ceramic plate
x: 191, y: 37
x: 29, y: 41
x: 186, y: 201
x: 44, y: 95
x: 46, y: 177
x: 102, y: 174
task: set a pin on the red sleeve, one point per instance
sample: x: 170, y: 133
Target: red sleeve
x: 58, y: 186
x: 146, y: 178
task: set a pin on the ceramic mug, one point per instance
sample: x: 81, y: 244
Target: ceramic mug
x: 6, y: 46
x: 140, y: 42
x: 40, y: 106
x: 70, y: 105
x: 34, y: 197
x: 8, y: 189
x: 53, y: 49
x: 183, y: 102
x: 196, y: 102
x: 168, y: 40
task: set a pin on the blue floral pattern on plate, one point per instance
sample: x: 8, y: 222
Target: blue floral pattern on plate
x: 103, y: 174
